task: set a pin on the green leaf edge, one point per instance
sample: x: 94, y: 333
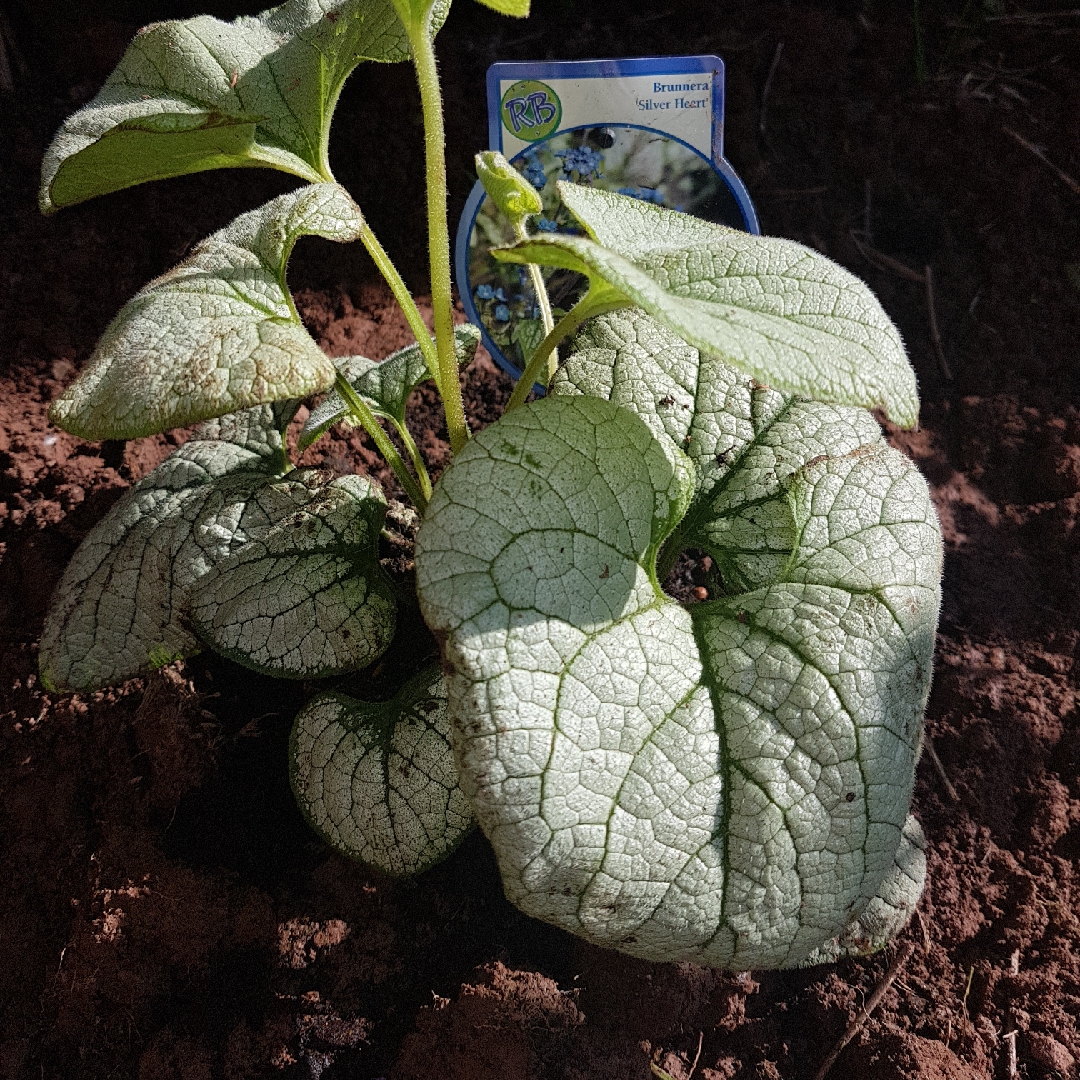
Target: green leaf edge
x: 466, y: 341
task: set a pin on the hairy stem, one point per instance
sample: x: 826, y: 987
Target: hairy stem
x: 427, y: 76
x: 542, y: 300
x: 414, y: 454
x: 404, y: 298
x: 584, y: 309
x: 360, y: 409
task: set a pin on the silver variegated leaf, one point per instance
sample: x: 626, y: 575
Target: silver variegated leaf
x: 377, y: 780
x: 307, y: 596
x: 727, y: 783
x: 196, y: 94
x: 217, y: 334
x: 775, y: 310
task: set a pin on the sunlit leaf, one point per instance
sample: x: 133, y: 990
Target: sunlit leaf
x: 726, y: 783
x: 196, y: 94
x: 120, y: 609
x: 216, y: 334
x: 779, y: 312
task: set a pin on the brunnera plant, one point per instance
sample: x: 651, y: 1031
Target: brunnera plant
x: 727, y: 781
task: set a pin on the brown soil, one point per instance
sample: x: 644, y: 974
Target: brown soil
x: 166, y: 915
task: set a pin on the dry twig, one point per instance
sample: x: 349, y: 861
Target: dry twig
x: 886, y: 262
x: 697, y: 1056
x: 1038, y: 151
x: 935, y: 333
x: 872, y: 1002
x: 768, y: 84
x: 1009, y: 1038
x: 949, y: 789
x: 925, y: 931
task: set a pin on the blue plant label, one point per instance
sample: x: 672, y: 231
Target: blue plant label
x: 651, y: 128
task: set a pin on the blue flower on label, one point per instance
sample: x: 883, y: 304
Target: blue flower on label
x: 502, y: 313
x: 536, y: 311
x: 534, y: 173
x: 546, y: 225
x: 581, y: 160
x: 485, y: 292
x: 645, y: 194
x: 500, y: 294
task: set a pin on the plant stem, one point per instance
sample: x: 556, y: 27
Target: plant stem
x: 360, y: 409
x: 427, y: 76
x: 402, y: 295
x: 584, y: 309
x: 542, y: 299
x: 414, y: 454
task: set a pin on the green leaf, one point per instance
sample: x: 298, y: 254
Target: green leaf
x: 216, y: 334
x: 519, y: 9
x: 377, y: 780
x: 385, y: 385
x: 120, y: 608
x: 306, y: 597
x: 772, y: 308
x: 726, y: 783
x: 513, y: 195
x: 528, y: 334
x: 198, y: 94
x: 124, y: 606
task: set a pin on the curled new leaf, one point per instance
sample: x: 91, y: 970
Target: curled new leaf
x: 777, y: 311
x: 511, y: 193
x: 385, y: 385
x: 216, y: 334
x: 306, y: 597
x: 377, y: 780
x: 198, y: 94
x: 727, y: 783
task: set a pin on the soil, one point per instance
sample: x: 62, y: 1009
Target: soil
x: 166, y: 915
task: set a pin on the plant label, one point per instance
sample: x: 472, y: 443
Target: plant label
x: 651, y: 128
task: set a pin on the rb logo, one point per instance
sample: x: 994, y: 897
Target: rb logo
x: 531, y: 110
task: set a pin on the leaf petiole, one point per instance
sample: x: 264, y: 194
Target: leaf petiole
x: 414, y: 455
x: 402, y: 295
x: 599, y: 299
x: 362, y: 411
x: 536, y: 276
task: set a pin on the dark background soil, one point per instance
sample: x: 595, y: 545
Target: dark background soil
x: 164, y: 912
